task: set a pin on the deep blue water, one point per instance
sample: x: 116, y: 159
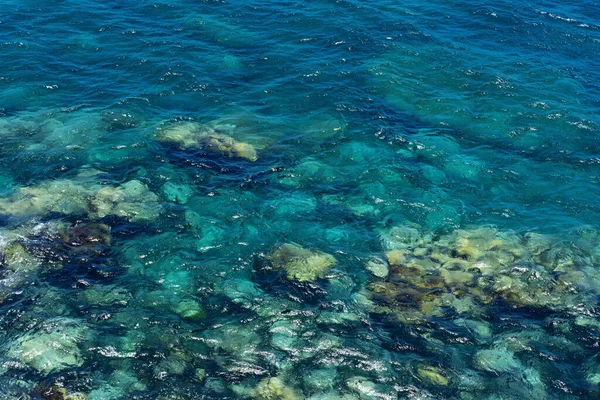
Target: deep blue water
x: 299, y: 200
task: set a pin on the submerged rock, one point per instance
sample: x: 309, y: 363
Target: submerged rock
x: 400, y: 237
x: 239, y: 341
x: 17, y: 264
x: 131, y: 200
x: 52, y: 349
x: 378, y: 267
x: 104, y: 296
x: 177, y: 192
x: 367, y: 389
x: 498, y: 359
x: 274, y: 389
x: 321, y: 379
x: 89, y: 238
x: 468, y: 269
x: 301, y: 264
x: 284, y: 336
x: 56, y: 392
x: 199, y: 374
x: 119, y: 385
x: 85, y: 234
x: 432, y: 375
x: 15, y: 256
x: 190, y: 309
x: 214, y: 139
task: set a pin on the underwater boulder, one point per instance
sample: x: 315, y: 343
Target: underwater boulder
x: 400, y: 237
x: 321, y: 380
x: 119, y: 385
x: 213, y: 236
x: 330, y: 318
x: 274, y: 389
x: 118, y: 118
x: 171, y: 365
x: 537, y: 243
x: 464, y: 167
x: 84, y: 238
x: 60, y: 196
x: 57, y: 392
x: 432, y: 375
x: 284, y: 335
x: 433, y: 174
x: 301, y: 264
x: 469, y: 268
x: 15, y: 256
x: 367, y: 389
x: 17, y: 264
x: 53, y: 348
x: 105, y: 296
x: 82, y: 196
x: 247, y: 294
x: 241, y: 290
x: 190, y: 309
x: 213, y: 139
x: 443, y: 217
x: 177, y: 192
x: 131, y: 200
x: 85, y: 234
x: 497, y: 359
x: 480, y: 329
x: 432, y: 145
x: 333, y: 395
x: 240, y: 342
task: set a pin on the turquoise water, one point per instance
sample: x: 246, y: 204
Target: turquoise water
x: 299, y: 200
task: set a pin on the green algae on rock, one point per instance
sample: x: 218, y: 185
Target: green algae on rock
x: 432, y: 375
x: 82, y: 196
x: 17, y: 264
x: 190, y: 309
x: 468, y: 269
x: 301, y: 264
x: 212, y: 138
x: 274, y: 389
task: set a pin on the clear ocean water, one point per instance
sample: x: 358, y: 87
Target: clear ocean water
x: 299, y: 200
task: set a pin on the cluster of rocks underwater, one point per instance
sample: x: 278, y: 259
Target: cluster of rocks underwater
x: 150, y: 286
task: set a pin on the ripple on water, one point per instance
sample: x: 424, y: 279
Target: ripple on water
x: 299, y: 201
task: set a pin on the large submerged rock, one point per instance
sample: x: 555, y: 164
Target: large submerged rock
x: 131, y: 200
x: 17, y: 263
x: 274, y: 389
x: 216, y: 138
x: 469, y: 269
x: 301, y: 264
x: 53, y: 348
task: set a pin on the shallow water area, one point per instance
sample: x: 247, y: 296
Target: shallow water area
x: 299, y: 200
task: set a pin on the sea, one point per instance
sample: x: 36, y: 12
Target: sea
x: 284, y: 200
